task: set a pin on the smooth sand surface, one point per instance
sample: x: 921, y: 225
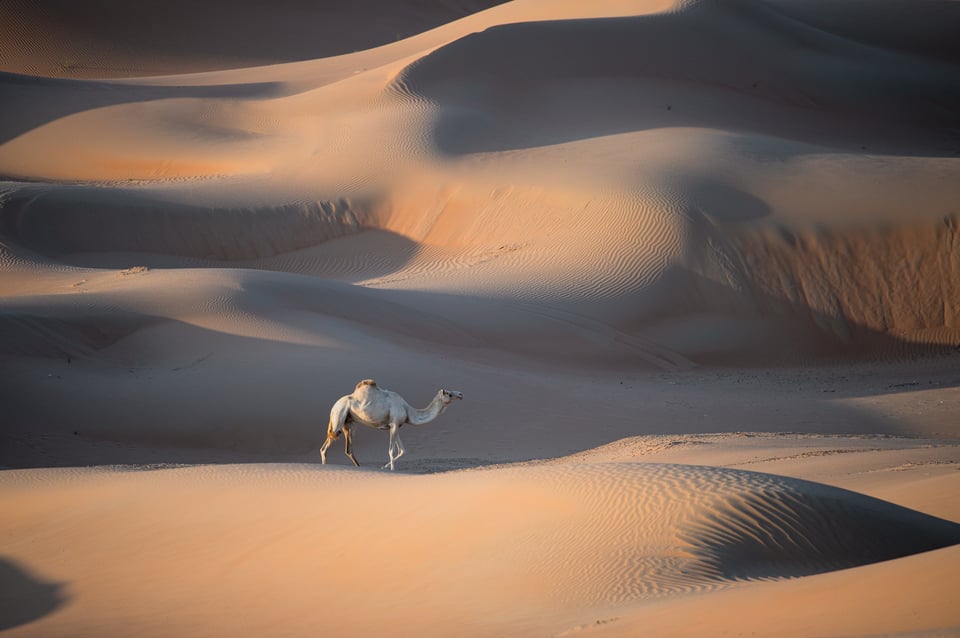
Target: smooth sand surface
x: 694, y: 265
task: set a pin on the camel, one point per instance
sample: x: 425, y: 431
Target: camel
x: 377, y: 407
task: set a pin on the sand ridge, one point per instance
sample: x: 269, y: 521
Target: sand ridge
x: 107, y: 39
x: 598, y: 535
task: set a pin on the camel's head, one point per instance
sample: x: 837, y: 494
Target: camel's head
x: 450, y: 395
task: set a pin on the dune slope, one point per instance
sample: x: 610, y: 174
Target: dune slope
x: 478, y: 552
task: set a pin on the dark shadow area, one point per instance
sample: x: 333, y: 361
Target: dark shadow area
x: 722, y: 203
x: 72, y: 334
x: 796, y: 334
x: 24, y: 598
x: 919, y: 27
x: 794, y: 528
x: 58, y: 219
x: 727, y: 66
x: 27, y: 102
x: 720, y: 326
x: 80, y: 331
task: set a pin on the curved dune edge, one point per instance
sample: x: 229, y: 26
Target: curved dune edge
x: 484, y: 551
x: 107, y: 39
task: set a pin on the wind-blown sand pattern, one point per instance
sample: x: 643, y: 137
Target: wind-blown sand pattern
x: 694, y: 265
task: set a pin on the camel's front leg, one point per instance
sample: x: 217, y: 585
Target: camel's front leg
x: 348, y: 435
x: 323, y: 449
x: 395, y: 444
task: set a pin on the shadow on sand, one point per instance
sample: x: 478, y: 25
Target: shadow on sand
x: 25, y: 597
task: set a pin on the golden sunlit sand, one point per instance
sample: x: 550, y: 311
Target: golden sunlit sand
x: 695, y: 267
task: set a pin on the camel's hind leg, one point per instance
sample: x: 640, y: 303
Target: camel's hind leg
x: 348, y: 435
x: 338, y: 419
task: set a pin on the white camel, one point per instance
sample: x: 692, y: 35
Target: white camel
x: 377, y: 407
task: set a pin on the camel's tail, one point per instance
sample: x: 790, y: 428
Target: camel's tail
x: 338, y: 416
x: 333, y: 432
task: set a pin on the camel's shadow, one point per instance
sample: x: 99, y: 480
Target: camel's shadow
x: 25, y: 598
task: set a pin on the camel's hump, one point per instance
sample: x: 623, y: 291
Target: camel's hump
x: 366, y: 382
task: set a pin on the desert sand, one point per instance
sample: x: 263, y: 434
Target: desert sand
x: 694, y: 265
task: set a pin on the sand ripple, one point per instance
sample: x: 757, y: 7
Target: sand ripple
x: 586, y: 534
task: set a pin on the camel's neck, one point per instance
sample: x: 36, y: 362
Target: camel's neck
x: 429, y: 413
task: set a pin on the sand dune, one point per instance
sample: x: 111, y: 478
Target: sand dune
x: 561, y: 540
x: 605, y: 223
x: 532, y: 84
